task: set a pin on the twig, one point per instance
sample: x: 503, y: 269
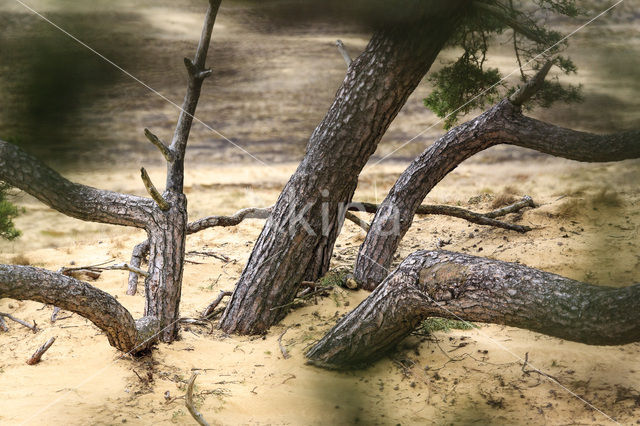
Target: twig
x: 194, y: 321
x: 54, y: 314
x: 343, y: 51
x: 151, y: 189
x: 188, y: 401
x: 35, y: 358
x: 218, y: 256
x: 33, y: 327
x: 167, y: 153
x: 285, y: 353
x: 535, y: 370
x: 212, y: 306
x: 302, y: 298
x: 3, y: 325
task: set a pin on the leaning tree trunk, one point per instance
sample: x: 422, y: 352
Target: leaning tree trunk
x: 502, y: 124
x: 164, y: 217
x: 297, y: 241
x: 454, y: 285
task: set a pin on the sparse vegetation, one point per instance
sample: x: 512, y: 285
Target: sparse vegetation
x: 431, y: 325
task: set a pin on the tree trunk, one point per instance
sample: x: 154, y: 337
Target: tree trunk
x: 453, y: 285
x: 102, y: 309
x: 297, y: 241
x: 502, y: 124
x: 163, y: 286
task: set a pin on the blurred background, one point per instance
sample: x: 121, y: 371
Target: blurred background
x: 276, y: 70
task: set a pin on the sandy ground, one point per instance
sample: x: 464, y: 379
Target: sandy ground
x: 586, y: 228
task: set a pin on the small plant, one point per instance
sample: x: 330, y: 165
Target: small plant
x: 7, y: 213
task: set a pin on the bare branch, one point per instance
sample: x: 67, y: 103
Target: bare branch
x: 343, y: 51
x: 23, y: 171
x: 213, y: 305
x: 35, y: 358
x: 188, y: 402
x: 355, y: 219
x: 19, y: 321
x: 531, y: 87
x: 164, y: 150
x: 197, y: 74
x: 151, y: 189
x: 239, y: 216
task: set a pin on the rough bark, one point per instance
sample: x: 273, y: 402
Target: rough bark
x: 99, y: 307
x: 297, y: 241
x: 502, y: 124
x: 453, y: 285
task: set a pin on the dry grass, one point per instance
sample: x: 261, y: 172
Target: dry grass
x: 606, y: 198
x: 502, y: 200
x: 21, y: 259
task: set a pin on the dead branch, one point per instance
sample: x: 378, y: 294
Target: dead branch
x: 285, y: 353
x: 534, y: 370
x: 167, y: 153
x: 35, y: 358
x: 188, y: 402
x: 153, y: 192
x: 355, y: 219
x: 33, y: 327
x: 344, y: 53
x: 3, y: 325
x: 213, y: 305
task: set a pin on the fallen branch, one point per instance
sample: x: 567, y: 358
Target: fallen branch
x: 33, y: 327
x: 3, y: 325
x: 285, y: 353
x: 213, y: 305
x: 35, y: 358
x: 534, y: 370
x: 470, y: 216
x: 188, y: 402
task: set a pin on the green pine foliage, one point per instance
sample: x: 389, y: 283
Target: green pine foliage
x: 466, y: 84
x: 7, y: 213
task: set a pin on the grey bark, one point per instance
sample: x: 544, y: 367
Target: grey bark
x: 460, y: 286
x: 296, y: 243
x: 502, y: 124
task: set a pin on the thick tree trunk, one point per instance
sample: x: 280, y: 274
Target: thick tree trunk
x: 297, y: 241
x: 453, y: 285
x: 502, y: 124
x: 29, y: 283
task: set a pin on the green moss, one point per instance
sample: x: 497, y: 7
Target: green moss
x: 7, y: 213
x: 433, y: 324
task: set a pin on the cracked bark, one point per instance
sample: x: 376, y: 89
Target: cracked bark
x: 296, y: 243
x: 502, y: 124
x: 460, y: 286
